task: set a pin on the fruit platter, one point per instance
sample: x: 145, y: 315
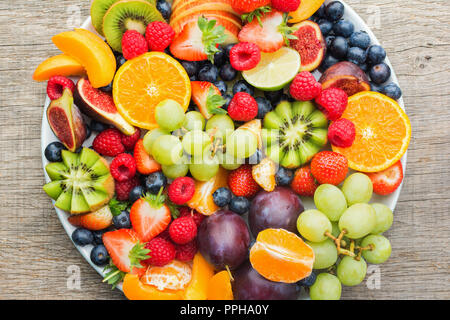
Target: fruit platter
x: 225, y: 149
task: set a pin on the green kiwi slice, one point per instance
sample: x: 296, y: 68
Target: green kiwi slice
x: 294, y: 132
x: 128, y: 15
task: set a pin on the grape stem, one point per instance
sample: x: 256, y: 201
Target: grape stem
x: 370, y: 247
x: 340, y: 243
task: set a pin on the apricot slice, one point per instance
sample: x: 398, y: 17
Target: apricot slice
x: 91, y: 52
x: 306, y: 9
x: 219, y: 287
x: 202, y: 272
x: 134, y: 289
x: 60, y: 65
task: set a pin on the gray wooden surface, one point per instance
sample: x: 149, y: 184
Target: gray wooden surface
x: 35, y: 252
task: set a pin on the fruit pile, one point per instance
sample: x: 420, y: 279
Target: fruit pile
x: 195, y: 131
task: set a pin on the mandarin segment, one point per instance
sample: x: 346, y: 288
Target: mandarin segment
x: 202, y: 272
x: 219, y: 287
x: 173, y: 276
x: 134, y: 289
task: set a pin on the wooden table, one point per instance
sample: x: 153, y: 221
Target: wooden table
x: 35, y: 252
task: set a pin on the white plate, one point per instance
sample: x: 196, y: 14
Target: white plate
x: 47, y: 137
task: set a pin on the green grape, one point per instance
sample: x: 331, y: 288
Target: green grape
x: 194, y: 142
x: 325, y: 253
x: 381, y: 249
x: 326, y: 287
x: 228, y: 162
x: 194, y: 121
x: 242, y: 144
x: 384, y: 218
x: 358, y: 220
x: 313, y: 224
x: 335, y: 231
x: 206, y: 169
x: 167, y: 150
x: 151, y: 136
x: 331, y: 201
x: 357, y: 188
x: 175, y: 171
x: 220, y: 126
x: 169, y: 115
x: 351, y: 272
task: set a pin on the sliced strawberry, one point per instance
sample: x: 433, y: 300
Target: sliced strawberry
x: 208, y: 98
x: 387, y: 181
x: 150, y: 216
x: 125, y: 249
x: 145, y: 163
x: 98, y: 220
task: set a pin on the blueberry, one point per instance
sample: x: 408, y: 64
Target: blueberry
x: 243, y: 86
x: 334, y: 11
x: 193, y: 78
x: 375, y: 87
x: 356, y: 54
x: 88, y: 131
x: 191, y: 67
x: 98, y: 236
x: 274, y: 96
x: 392, y: 91
x: 228, y: 49
x: 53, y: 151
x: 228, y: 73
x: 255, y: 158
x: 208, y: 73
x: 320, y: 13
x: 99, y: 255
x: 107, y: 89
x: 380, y: 73
x: 376, y: 54
x: 165, y: 8
x: 136, y: 193
x: 155, y: 181
x: 364, y: 67
x: 327, y: 62
x: 343, y: 28
x: 82, y: 237
x: 122, y: 221
x: 222, y: 86
x: 220, y: 58
x: 308, y: 281
x: 222, y: 197
x: 239, y: 205
x: 264, y: 107
x: 360, y: 39
x: 284, y: 177
x: 228, y: 98
x: 329, y: 40
x: 325, y: 26
x: 339, y: 47
x: 120, y: 60
x: 98, y: 126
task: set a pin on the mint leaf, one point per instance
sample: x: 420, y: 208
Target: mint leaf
x: 214, y: 102
x: 212, y: 36
x: 117, y: 206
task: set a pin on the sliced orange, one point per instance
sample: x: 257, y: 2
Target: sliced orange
x: 264, y: 174
x: 383, y: 132
x: 219, y: 287
x: 143, y: 82
x: 173, y: 276
x: 281, y: 256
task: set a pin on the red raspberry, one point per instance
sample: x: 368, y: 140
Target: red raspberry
x: 186, y: 252
x: 133, y: 44
x: 341, y: 133
x: 332, y: 102
x: 56, y: 86
x: 165, y: 235
x: 329, y: 167
x: 183, y: 230
x: 181, y: 190
x: 130, y: 141
x: 123, y: 188
x: 243, y: 107
x: 241, y: 182
x: 159, y: 36
x: 286, y: 5
x: 109, y: 143
x: 305, y: 87
x: 245, y: 56
x: 123, y: 167
x: 196, y: 216
x: 162, y: 252
x: 304, y: 183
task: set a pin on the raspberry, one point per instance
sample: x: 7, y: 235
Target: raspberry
x: 329, y: 167
x: 123, y: 188
x: 56, y: 86
x: 241, y: 182
x: 165, y: 235
x: 341, y: 133
x: 133, y: 44
x: 286, y: 5
x: 181, y: 190
x: 109, y: 143
x: 183, y: 230
x: 162, y: 252
x: 245, y: 56
x: 243, y: 107
x: 196, y: 216
x: 159, y: 36
x: 304, y: 183
x: 130, y: 141
x: 123, y: 167
x: 305, y: 87
x: 332, y: 102
x: 186, y: 252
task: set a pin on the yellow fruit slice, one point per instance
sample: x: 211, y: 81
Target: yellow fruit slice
x: 60, y: 65
x: 202, y: 273
x: 264, y: 174
x: 306, y: 9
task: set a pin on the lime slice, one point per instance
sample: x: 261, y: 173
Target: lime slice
x: 275, y: 70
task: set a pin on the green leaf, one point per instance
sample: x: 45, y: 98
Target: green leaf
x: 214, y: 102
x: 173, y: 209
x: 212, y: 36
x: 113, y: 275
x: 117, y: 206
x: 156, y: 201
x: 287, y: 31
x: 137, y: 254
x: 258, y: 13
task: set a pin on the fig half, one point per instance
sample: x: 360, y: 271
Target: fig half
x: 347, y: 76
x: 66, y: 121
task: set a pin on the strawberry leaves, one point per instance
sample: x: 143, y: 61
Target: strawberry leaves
x: 113, y: 276
x: 117, y: 206
x: 258, y: 13
x: 212, y: 36
x: 214, y: 102
x: 137, y: 254
x: 287, y: 31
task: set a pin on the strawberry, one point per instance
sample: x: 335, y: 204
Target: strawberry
x: 98, y: 220
x: 387, y: 181
x: 329, y: 167
x: 304, y: 183
x: 125, y: 249
x: 246, y: 6
x: 150, y: 216
x: 270, y: 33
x: 145, y: 163
x: 241, y: 182
x: 208, y: 98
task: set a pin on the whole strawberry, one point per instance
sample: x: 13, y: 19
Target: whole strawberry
x: 183, y: 230
x: 246, y: 6
x: 332, y: 102
x: 243, y: 107
x: 241, y: 182
x: 387, y: 181
x: 286, y: 5
x: 304, y: 183
x: 162, y: 252
x: 329, y: 167
x: 133, y: 44
x: 109, y: 143
x: 159, y: 36
x: 305, y: 87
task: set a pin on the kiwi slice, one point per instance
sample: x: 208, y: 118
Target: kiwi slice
x: 128, y: 15
x: 81, y: 183
x: 294, y: 132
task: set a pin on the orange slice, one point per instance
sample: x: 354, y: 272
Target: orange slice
x: 219, y: 287
x: 264, y: 174
x: 142, y: 83
x: 281, y: 256
x: 383, y: 132
x: 173, y: 276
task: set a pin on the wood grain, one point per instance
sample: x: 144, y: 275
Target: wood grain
x: 35, y: 252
